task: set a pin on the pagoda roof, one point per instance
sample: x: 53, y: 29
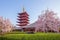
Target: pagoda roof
x: 23, y: 13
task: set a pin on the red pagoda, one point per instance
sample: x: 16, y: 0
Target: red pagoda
x: 23, y: 18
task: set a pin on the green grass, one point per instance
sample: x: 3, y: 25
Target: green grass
x: 16, y: 32
x: 36, y: 36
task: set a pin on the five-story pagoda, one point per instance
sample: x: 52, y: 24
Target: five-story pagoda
x: 23, y: 19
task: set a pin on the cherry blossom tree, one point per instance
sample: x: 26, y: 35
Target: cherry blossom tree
x: 5, y: 25
x: 48, y: 22
x: 1, y: 23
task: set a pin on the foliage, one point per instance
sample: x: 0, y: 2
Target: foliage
x: 37, y: 36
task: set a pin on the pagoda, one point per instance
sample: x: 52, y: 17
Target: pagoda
x: 23, y: 18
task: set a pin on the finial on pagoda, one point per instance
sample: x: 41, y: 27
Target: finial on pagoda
x: 23, y: 9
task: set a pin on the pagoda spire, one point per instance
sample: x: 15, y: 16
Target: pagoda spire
x: 23, y: 9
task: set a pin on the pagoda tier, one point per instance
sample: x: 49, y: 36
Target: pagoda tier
x: 23, y: 19
x: 22, y: 22
x: 24, y: 13
x: 22, y: 25
x: 22, y: 16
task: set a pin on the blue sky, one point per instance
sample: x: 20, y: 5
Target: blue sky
x: 11, y: 8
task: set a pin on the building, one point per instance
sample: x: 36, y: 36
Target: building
x: 23, y: 19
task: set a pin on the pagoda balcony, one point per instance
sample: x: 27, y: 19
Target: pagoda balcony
x: 22, y: 25
x: 23, y: 16
x: 22, y: 22
x: 23, y: 19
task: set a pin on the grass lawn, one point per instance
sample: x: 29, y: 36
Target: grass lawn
x: 36, y: 36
